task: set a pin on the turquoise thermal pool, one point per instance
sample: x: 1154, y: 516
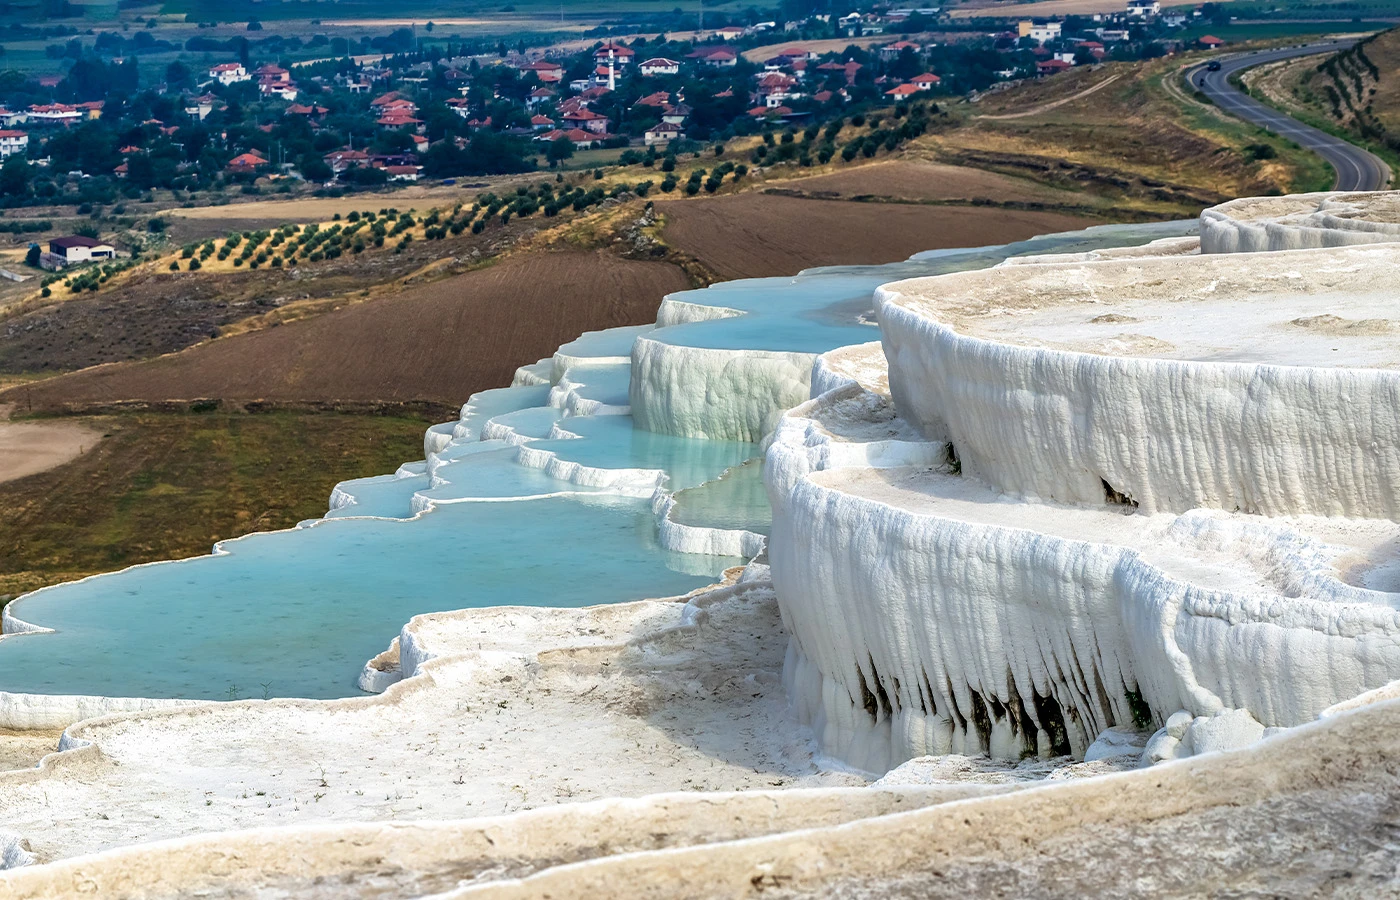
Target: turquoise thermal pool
x: 540, y: 495
x: 825, y: 308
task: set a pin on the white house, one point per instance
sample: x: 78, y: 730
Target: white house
x: 663, y: 133
x: 660, y: 65
x: 67, y: 251
x: 54, y: 114
x: 1144, y: 9
x: 616, y: 54
x: 198, y: 108
x: 228, y: 73
x: 12, y: 142
x: 1040, y: 32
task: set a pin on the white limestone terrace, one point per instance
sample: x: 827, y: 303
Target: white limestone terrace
x: 487, y: 712
x: 723, y: 363
x: 1297, y: 221
x: 1060, y: 530
x: 931, y: 614
x: 1260, y: 382
x: 928, y: 606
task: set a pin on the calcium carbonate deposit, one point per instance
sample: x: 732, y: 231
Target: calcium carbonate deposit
x: 496, y: 513
x: 1087, y: 504
x: 1301, y: 221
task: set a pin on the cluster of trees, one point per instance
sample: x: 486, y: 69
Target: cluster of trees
x: 487, y: 153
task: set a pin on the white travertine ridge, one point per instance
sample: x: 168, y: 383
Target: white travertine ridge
x: 1301, y: 221
x: 930, y: 614
x: 715, y: 394
x: 1084, y: 543
x: 1227, y: 381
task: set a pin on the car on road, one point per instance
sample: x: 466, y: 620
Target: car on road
x: 1213, y: 66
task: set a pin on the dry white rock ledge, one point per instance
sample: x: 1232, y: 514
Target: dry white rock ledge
x: 1300, y: 221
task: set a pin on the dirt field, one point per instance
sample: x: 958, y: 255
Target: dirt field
x: 924, y: 181
x: 438, y: 342
x: 752, y: 235
x: 27, y: 448
x: 831, y: 45
x: 154, y: 311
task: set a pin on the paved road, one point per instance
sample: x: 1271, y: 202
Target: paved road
x: 1357, y: 170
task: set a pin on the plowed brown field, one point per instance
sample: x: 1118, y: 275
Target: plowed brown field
x: 917, y: 180
x: 753, y: 235
x: 438, y: 343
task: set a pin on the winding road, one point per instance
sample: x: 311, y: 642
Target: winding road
x: 1357, y: 169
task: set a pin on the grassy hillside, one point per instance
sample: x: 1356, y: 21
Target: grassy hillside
x: 1359, y: 89
x: 1128, y: 133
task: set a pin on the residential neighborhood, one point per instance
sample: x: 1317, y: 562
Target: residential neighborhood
x: 256, y: 121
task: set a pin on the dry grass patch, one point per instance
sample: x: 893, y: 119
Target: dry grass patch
x: 167, y: 486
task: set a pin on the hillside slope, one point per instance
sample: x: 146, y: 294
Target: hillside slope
x: 1357, y: 89
x: 1125, y: 132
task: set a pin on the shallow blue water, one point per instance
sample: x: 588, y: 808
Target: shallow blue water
x: 298, y: 612
x: 736, y: 500
x: 604, y: 383
x: 386, y: 496
x: 610, y: 442
x: 825, y: 308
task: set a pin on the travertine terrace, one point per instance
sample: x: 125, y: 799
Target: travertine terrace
x: 1094, y: 553
x: 1301, y: 221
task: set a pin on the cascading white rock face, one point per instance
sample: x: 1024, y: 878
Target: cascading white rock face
x: 1301, y: 221
x: 1167, y: 381
x: 1070, y: 531
x: 714, y: 394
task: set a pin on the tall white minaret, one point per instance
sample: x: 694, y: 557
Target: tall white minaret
x: 612, y: 69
